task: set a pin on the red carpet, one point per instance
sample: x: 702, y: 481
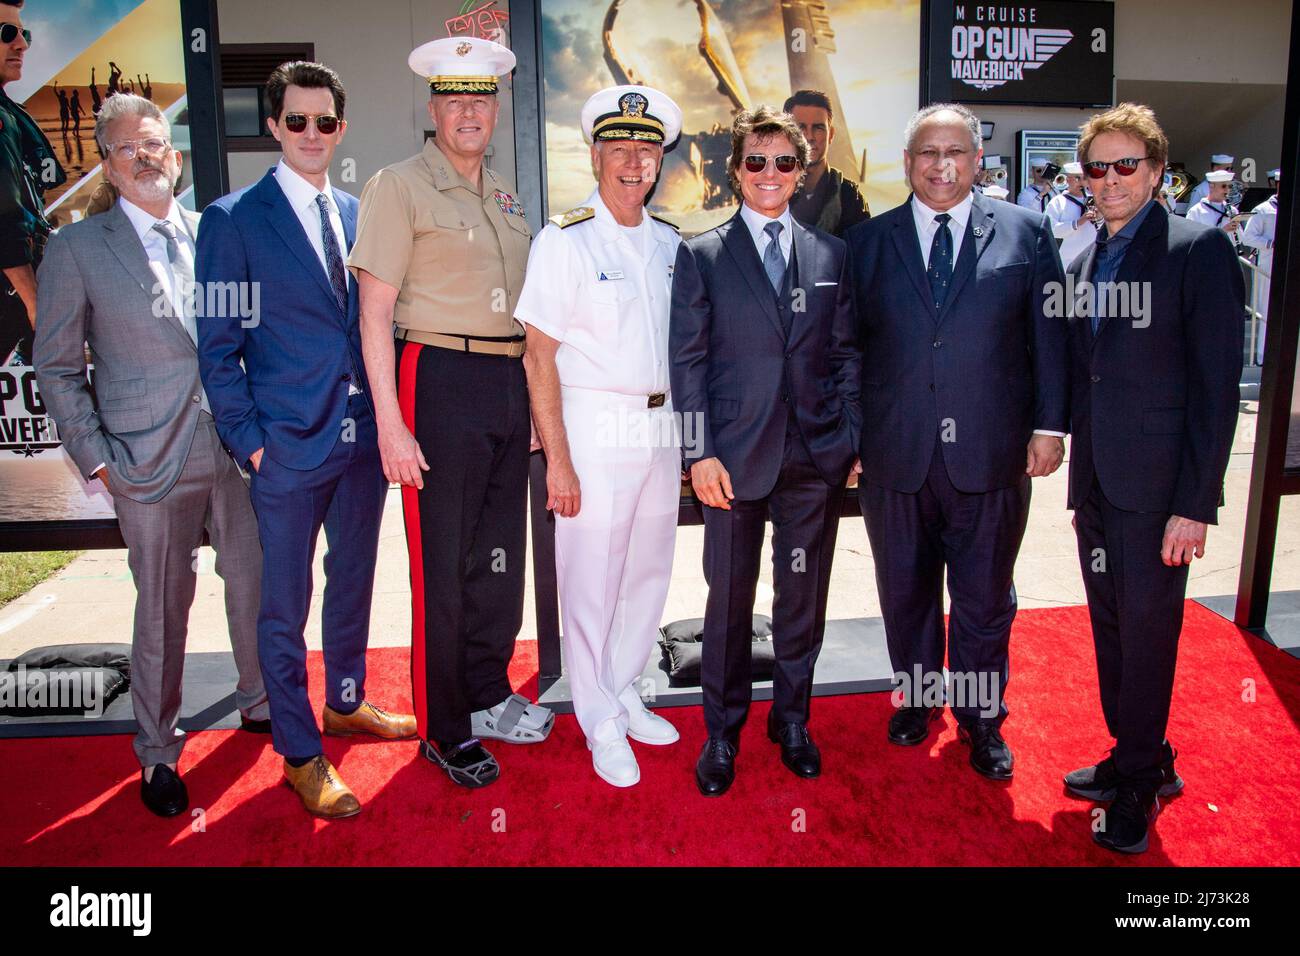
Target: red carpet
x: 75, y: 801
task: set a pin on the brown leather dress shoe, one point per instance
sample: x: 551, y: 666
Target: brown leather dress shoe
x: 318, y: 785
x: 368, y: 719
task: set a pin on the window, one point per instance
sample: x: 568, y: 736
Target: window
x: 245, y: 68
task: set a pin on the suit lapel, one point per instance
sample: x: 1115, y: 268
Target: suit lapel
x: 908, y: 245
x: 1085, y: 281
x: 740, y: 244
x: 121, y: 237
x: 1135, y: 256
x: 979, y: 230
x: 285, y: 222
x: 805, y: 250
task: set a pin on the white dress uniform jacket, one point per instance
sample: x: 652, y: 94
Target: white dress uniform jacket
x: 602, y: 291
x: 1258, y: 233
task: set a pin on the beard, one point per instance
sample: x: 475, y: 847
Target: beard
x: 153, y: 188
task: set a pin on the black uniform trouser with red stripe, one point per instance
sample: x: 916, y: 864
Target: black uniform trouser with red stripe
x: 465, y: 530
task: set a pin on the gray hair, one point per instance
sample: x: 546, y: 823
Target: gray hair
x: 125, y: 104
x: 920, y: 116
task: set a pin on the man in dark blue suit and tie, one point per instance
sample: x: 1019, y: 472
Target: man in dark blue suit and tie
x: 288, y: 389
x: 1156, y: 339
x: 765, y: 375
x: 964, y: 399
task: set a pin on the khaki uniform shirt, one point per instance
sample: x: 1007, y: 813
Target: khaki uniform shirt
x: 455, y: 254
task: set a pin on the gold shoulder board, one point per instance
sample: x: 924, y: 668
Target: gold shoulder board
x: 578, y: 214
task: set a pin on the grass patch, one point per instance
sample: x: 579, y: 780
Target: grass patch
x: 20, y: 571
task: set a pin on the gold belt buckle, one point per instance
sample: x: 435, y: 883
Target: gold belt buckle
x: 655, y: 401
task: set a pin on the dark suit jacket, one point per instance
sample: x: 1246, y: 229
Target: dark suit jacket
x: 733, y: 369
x: 1154, y: 403
x: 991, y: 362
x: 290, y: 395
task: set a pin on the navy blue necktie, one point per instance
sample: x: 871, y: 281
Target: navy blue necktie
x: 940, y: 270
x: 773, y: 261
x: 333, y: 255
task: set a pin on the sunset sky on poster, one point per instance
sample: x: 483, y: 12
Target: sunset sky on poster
x: 876, y: 68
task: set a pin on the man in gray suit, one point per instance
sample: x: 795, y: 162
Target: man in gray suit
x: 122, y: 282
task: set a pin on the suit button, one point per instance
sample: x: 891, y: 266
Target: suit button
x: 196, y: 399
x: 346, y: 377
x: 932, y: 386
x: 938, y: 344
x: 785, y: 397
x: 1096, y: 379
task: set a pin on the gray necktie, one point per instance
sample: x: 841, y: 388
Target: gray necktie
x: 183, y: 275
x: 773, y: 261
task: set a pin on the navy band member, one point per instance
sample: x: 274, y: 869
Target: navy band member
x: 1214, y: 209
x: 27, y: 170
x: 596, y: 304
x: 440, y: 254
x: 1219, y: 162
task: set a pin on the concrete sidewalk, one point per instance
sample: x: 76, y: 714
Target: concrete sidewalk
x: 92, y: 599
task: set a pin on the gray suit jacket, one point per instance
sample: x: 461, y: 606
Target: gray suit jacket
x: 95, y: 286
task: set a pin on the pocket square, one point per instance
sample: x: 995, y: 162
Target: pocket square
x: 825, y: 283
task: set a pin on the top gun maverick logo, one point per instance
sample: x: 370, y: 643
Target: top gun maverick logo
x: 1000, y: 43
x: 24, y: 427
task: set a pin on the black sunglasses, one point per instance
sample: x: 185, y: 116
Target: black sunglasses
x: 784, y: 164
x: 1125, y: 167
x: 326, y: 123
x: 9, y: 32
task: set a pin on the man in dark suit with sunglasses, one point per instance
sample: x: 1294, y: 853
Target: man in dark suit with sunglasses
x: 963, y: 402
x: 765, y: 371
x: 289, y: 392
x: 1156, y: 339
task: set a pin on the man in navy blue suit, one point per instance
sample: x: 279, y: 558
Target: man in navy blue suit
x: 1156, y: 339
x: 964, y: 399
x: 764, y: 372
x: 297, y: 413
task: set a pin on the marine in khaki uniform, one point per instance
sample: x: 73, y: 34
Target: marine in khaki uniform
x: 439, y: 258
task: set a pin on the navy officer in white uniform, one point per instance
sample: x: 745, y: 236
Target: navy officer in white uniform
x: 595, y: 304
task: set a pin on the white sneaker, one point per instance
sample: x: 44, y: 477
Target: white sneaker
x: 615, y: 763
x: 644, y: 726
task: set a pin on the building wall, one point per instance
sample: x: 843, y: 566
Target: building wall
x: 1215, y: 74
x: 368, y: 45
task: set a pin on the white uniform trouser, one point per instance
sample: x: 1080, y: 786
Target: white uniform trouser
x: 614, y: 558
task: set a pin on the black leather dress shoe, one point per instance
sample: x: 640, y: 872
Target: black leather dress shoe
x: 989, y: 753
x: 716, y: 768
x: 1128, y: 819
x: 911, y: 725
x: 1101, y: 782
x: 255, y: 726
x: 798, y: 752
x: 165, y: 794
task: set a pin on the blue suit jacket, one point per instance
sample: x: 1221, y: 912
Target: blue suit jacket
x: 299, y: 353
x: 989, y: 367
x: 1155, y: 397
x: 734, y: 369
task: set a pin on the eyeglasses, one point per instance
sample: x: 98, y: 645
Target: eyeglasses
x: 9, y: 32
x: 784, y: 164
x: 128, y: 148
x: 1125, y: 167
x: 326, y: 123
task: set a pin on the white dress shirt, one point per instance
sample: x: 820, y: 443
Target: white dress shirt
x: 302, y: 198
x: 755, y: 221
x: 926, y: 227
x: 155, y: 249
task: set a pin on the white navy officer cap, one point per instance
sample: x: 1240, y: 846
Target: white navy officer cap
x: 1220, y: 159
x: 1219, y: 176
x: 631, y: 112
x: 461, y: 64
